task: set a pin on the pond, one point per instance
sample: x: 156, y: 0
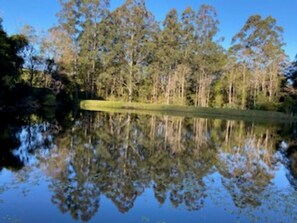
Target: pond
x: 124, y: 167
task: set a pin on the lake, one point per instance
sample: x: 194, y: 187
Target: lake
x: 123, y: 167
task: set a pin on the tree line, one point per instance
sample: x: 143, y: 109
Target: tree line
x: 126, y: 54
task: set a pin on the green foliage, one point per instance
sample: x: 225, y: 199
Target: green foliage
x: 290, y: 90
x: 10, y: 59
x: 267, y: 106
x: 49, y: 100
x: 288, y: 105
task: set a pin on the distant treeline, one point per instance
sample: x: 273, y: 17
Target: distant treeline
x: 127, y: 55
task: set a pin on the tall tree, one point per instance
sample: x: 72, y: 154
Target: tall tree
x: 184, y: 69
x: 112, y: 57
x: 69, y: 21
x: 80, y: 20
x: 169, y: 54
x: 258, y: 46
x: 57, y: 46
x: 93, y: 12
x: 209, y: 57
x: 136, y: 26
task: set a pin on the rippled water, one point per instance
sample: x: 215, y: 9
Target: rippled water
x: 112, y: 167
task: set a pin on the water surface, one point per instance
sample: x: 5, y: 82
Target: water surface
x: 112, y: 167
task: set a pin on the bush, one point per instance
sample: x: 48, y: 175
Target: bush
x: 49, y: 100
x: 288, y: 105
x: 268, y: 106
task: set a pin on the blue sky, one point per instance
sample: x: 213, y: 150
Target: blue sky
x: 232, y: 14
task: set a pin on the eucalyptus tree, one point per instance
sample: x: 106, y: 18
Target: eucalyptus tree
x: 232, y: 80
x: 185, y: 69
x: 57, y: 46
x: 175, y: 54
x: 136, y: 26
x: 153, y: 84
x: 69, y: 21
x: 111, y: 81
x: 93, y: 12
x: 169, y: 52
x: 209, y: 56
x: 59, y: 56
x: 258, y: 47
x: 80, y: 20
x: 229, y: 89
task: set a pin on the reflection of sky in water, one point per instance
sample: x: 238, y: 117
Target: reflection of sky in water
x: 31, y: 138
x: 28, y: 201
x: 280, y: 180
x: 218, y: 204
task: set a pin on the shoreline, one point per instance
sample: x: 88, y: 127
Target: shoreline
x: 187, y: 111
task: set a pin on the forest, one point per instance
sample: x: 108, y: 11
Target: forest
x: 127, y: 55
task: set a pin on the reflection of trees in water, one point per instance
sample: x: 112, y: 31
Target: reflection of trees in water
x: 247, y: 161
x: 72, y: 166
x: 120, y: 155
x: 178, y: 170
x: 116, y: 155
x: 22, y: 137
x: 77, y: 195
x: 8, y: 142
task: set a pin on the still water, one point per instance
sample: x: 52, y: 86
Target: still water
x: 113, y: 167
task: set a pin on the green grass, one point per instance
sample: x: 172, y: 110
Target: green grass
x: 187, y: 111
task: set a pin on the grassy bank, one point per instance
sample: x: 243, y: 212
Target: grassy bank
x: 188, y: 111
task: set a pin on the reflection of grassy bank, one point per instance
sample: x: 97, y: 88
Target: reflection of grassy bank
x: 189, y: 111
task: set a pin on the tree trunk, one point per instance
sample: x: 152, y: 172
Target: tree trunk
x: 183, y: 90
x: 130, y: 91
x: 230, y: 95
x: 168, y: 90
x: 243, y: 92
